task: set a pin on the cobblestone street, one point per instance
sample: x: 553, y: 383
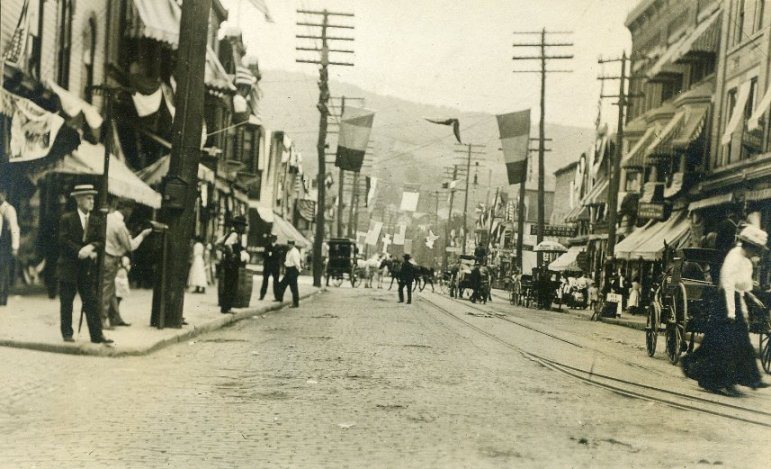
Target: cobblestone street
x: 352, y: 378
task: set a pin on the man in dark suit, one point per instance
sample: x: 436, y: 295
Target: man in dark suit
x: 80, y: 243
x: 406, y: 277
x: 270, y: 267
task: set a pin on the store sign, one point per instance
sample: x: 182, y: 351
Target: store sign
x: 651, y: 211
x: 559, y: 231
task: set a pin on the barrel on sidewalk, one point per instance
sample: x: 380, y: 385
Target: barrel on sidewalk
x: 244, y: 290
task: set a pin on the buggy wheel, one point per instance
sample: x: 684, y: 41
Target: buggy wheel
x: 674, y: 343
x: 354, y: 279
x: 765, y: 351
x: 338, y: 280
x: 651, y: 331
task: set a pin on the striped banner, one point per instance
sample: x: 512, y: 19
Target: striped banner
x: 514, y: 129
x: 355, y: 128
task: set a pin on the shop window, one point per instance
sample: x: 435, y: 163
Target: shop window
x: 739, y: 23
x: 760, y: 7
x: 751, y: 140
x: 64, y: 43
x: 730, y: 105
x: 703, y: 68
x: 671, y: 88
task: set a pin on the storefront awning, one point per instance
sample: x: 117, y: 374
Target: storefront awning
x: 598, y: 195
x: 577, y: 213
x: 661, y: 144
x: 702, y: 40
x: 648, y: 242
x: 122, y: 182
x: 758, y: 195
x: 713, y: 201
x: 692, y: 128
x: 567, y: 262
x: 266, y: 213
x: 673, y: 233
x: 155, y: 19
x: 285, y: 231
x: 738, y: 112
x: 636, y: 156
x: 154, y: 173
x: 160, y: 20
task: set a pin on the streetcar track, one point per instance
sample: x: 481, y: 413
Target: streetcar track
x: 590, y: 377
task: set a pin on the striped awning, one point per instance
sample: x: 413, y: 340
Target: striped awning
x: 702, y: 40
x: 692, y: 128
x: 636, y: 156
x: 758, y: 195
x: 661, y: 144
x: 598, y: 195
x: 159, y: 20
x: 648, y: 242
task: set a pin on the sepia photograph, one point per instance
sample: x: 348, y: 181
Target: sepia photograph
x: 385, y: 234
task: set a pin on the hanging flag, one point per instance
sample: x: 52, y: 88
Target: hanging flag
x: 455, y: 123
x: 386, y: 242
x: 371, y: 193
x: 514, y: 129
x: 33, y: 129
x: 355, y: 127
x: 374, y: 232
x: 16, y: 52
x: 409, y: 201
x: 401, y: 231
x: 262, y: 7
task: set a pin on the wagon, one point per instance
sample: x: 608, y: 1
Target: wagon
x: 341, y: 263
x: 682, y: 302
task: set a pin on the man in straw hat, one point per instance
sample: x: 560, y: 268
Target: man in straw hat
x: 79, y: 244
x: 9, y: 243
x: 292, y: 265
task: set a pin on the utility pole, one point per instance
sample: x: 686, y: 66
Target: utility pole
x: 321, y: 145
x: 543, y: 58
x: 180, y: 188
x: 470, y: 151
x: 614, y: 174
x: 449, y: 216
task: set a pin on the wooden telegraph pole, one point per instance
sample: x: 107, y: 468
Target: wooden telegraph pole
x: 449, y: 216
x: 321, y: 145
x: 614, y: 175
x: 180, y: 184
x: 543, y: 58
x: 470, y: 151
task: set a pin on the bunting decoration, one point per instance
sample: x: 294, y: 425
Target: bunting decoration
x: 400, y: 234
x: 409, y: 201
x: 431, y: 239
x: 355, y: 127
x: 33, y: 129
x: 514, y: 130
x: 374, y: 232
x: 16, y: 53
x: 455, y: 123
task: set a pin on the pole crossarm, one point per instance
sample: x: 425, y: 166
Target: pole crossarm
x: 339, y: 26
x: 540, y: 71
x: 542, y: 57
x: 315, y: 49
x: 538, y: 44
x: 328, y: 38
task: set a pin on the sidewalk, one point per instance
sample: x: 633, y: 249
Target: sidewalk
x: 627, y: 320
x: 32, y: 322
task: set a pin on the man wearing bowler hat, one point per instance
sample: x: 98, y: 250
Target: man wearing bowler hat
x: 406, y: 277
x: 235, y: 257
x: 79, y: 244
x: 270, y: 267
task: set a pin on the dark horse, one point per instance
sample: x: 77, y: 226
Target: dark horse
x: 424, y: 276
x: 394, y: 269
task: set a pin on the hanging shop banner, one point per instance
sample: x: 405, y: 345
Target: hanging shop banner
x: 306, y: 209
x: 514, y: 130
x: 355, y: 127
x: 650, y: 211
x: 371, y: 192
x: 559, y: 231
x: 401, y: 231
x: 33, y: 129
x: 374, y: 232
x: 409, y: 201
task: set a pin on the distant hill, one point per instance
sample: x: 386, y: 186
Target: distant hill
x: 406, y: 148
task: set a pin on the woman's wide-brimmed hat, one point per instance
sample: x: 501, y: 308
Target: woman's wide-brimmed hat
x: 754, y: 236
x: 83, y: 189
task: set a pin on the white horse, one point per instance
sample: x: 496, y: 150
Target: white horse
x: 369, y: 267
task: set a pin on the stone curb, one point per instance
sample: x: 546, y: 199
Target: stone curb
x: 184, y: 335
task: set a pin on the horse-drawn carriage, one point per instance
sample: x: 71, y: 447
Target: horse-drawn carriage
x: 342, y: 262
x: 684, y: 299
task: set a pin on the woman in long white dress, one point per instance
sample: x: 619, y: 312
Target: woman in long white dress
x: 196, y: 279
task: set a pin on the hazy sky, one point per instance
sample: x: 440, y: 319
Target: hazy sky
x: 456, y: 53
